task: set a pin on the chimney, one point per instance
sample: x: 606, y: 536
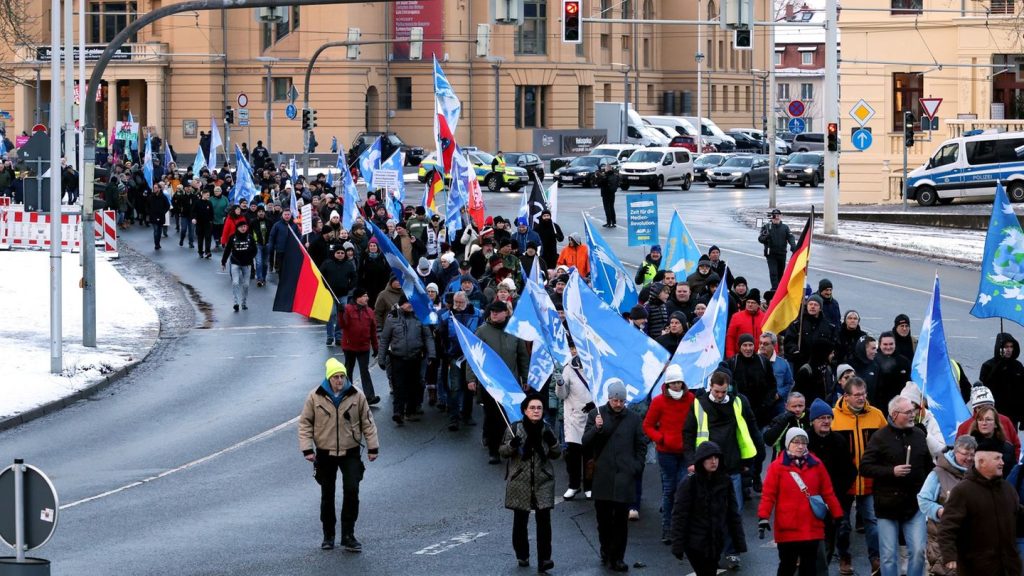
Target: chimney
x: 789, y: 12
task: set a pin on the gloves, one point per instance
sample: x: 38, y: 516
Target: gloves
x: 374, y: 355
x: 549, y: 437
x: 763, y: 526
x: 515, y: 442
x: 588, y: 407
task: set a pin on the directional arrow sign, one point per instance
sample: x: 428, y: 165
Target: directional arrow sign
x: 862, y: 139
x: 930, y: 106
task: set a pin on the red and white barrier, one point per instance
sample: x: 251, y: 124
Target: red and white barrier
x: 20, y: 229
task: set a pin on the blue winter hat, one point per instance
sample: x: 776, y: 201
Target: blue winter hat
x: 521, y: 221
x: 820, y: 408
x: 656, y: 248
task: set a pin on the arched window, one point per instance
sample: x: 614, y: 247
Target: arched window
x: 648, y: 9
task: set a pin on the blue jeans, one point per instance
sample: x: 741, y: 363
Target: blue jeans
x: 186, y: 229
x: 262, y: 255
x: 333, y: 326
x: 240, y: 283
x: 866, y: 511
x: 916, y: 536
x: 460, y: 399
x: 673, y: 470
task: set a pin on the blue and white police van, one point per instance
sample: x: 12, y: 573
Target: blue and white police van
x: 970, y: 166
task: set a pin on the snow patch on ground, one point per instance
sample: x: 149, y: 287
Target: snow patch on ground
x: 127, y: 328
x: 944, y: 243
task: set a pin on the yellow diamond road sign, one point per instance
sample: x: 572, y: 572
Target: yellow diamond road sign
x: 862, y: 112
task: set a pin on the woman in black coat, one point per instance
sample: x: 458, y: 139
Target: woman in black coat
x: 846, y: 340
x: 374, y: 270
x: 705, y: 513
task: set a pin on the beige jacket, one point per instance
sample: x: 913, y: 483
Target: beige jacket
x: 336, y: 430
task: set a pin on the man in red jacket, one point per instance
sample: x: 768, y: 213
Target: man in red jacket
x: 750, y: 320
x: 664, y: 426
x: 358, y: 336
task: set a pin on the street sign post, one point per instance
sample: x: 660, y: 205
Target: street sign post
x: 862, y: 112
x: 862, y: 139
x: 797, y: 125
x: 28, y: 516
x: 243, y: 100
x: 796, y: 108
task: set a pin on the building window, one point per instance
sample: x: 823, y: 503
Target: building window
x: 585, y: 106
x: 531, y: 37
x: 732, y: 59
x: 1001, y: 7
x: 403, y: 93
x: 606, y: 43
x: 107, y: 19
x: 650, y: 95
x: 721, y: 54
x: 906, y: 6
x: 778, y: 58
x: 782, y: 91
x: 725, y: 98
x: 607, y: 93
x: 747, y: 99
x: 647, y: 53
x: 627, y: 8
x: 627, y: 43
x: 807, y: 58
x: 648, y: 9
x: 807, y: 91
x: 906, y: 89
x: 606, y: 8
x: 281, y: 87
x: 736, y: 98
x: 530, y: 106
x: 270, y: 34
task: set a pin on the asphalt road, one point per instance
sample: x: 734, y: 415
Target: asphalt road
x: 191, y: 465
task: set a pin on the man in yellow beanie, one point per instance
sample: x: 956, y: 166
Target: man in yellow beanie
x: 335, y: 424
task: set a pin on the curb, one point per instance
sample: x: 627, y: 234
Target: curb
x: 932, y: 220
x: 61, y: 403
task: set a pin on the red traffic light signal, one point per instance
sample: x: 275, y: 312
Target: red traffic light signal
x: 833, y: 137
x: 572, y: 30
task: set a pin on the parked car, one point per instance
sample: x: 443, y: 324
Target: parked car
x: 389, y: 143
x: 970, y: 166
x: 689, y: 143
x: 741, y: 171
x: 555, y: 163
x: 581, y: 170
x: 808, y: 142
x: 705, y: 162
x: 620, y: 151
x: 514, y: 177
x: 781, y: 147
x: 746, y: 142
x: 527, y: 161
x: 657, y: 168
x: 804, y: 168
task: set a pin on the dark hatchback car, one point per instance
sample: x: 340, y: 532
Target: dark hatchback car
x: 527, y: 161
x: 741, y: 171
x: 582, y: 170
x: 705, y: 162
x: 389, y: 143
x: 804, y: 168
x: 744, y: 143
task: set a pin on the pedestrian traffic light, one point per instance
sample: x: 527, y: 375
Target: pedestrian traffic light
x: 908, y: 129
x: 229, y: 115
x: 306, y: 119
x: 572, y: 30
x: 833, y: 137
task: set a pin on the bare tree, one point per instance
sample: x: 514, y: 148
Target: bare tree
x: 18, y: 28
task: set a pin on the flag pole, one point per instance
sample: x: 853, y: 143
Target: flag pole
x: 803, y: 301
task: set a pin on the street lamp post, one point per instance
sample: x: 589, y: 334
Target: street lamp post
x: 269, y: 62
x: 699, y: 57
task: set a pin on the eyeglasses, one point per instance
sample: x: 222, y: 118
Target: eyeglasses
x: 534, y: 407
x: 803, y: 442
x: 906, y: 412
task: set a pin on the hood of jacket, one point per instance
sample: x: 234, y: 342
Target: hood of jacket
x: 705, y: 451
x: 1001, y: 339
x: 860, y: 350
x: 948, y: 463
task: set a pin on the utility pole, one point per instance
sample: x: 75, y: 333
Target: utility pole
x: 831, y: 212
x: 699, y: 57
x: 56, y: 337
x: 69, y: 87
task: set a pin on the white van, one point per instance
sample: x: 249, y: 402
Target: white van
x: 680, y: 126
x: 970, y: 166
x: 657, y: 168
x: 710, y: 132
x: 645, y: 135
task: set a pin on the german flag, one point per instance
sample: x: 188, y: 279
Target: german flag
x: 785, y: 306
x: 300, y: 287
x: 435, y: 187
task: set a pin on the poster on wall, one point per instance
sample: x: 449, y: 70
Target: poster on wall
x: 426, y: 14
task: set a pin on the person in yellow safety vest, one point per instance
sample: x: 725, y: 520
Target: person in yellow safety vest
x: 652, y: 263
x: 728, y: 420
x: 498, y: 164
x: 101, y: 140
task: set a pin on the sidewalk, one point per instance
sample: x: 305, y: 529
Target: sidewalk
x: 127, y: 328
x: 957, y: 245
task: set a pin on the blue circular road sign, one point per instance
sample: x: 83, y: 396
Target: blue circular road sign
x: 862, y: 139
x: 290, y: 111
x: 797, y: 125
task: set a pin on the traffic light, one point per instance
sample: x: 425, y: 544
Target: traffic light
x: 908, y: 129
x: 741, y: 39
x: 483, y: 40
x: 312, y: 118
x: 572, y: 29
x: 305, y: 119
x: 229, y: 116
x: 833, y: 137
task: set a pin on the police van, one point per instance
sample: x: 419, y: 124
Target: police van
x: 970, y: 166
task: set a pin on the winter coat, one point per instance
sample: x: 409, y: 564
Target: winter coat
x: 704, y: 511
x: 575, y: 256
x: 405, y: 337
x: 669, y: 341
x: 978, y: 528
x: 157, y: 207
x: 220, y: 208
x: 385, y: 302
x: 846, y: 344
x: 893, y: 375
x: 230, y: 225
x: 775, y: 432
x: 374, y: 273
x: 665, y: 420
x: 469, y: 318
x: 512, y: 351
x: 202, y: 212
x: 697, y: 281
x: 932, y: 497
x: 830, y: 310
x: 279, y: 235
x: 866, y: 369
x: 817, y: 379
x: 896, y: 498
x: 754, y: 379
x: 722, y: 429
x: 794, y: 519
x: 574, y: 392
x: 531, y: 476
x: 858, y: 429
x: 802, y: 333
x: 340, y: 276
x: 1005, y: 378
x: 608, y: 182
x: 619, y: 448
x: 260, y: 228
x: 834, y: 452
x: 776, y: 239
x: 550, y: 235
x: 657, y: 317
x: 742, y: 323
x: 675, y: 305
x: 358, y: 329
x: 241, y: 248
x: 336, y: 429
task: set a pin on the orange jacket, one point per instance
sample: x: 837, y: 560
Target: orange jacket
x: 577, y: 256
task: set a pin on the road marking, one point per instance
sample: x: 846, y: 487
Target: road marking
x: 232, y: 448
x: 262, y: 356
x: 232, y: 328
x: 441, y: 547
